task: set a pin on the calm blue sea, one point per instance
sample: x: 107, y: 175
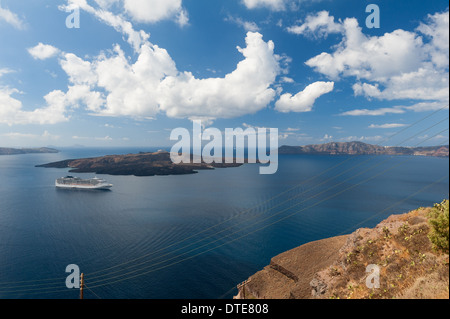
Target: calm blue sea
x: 190, y: 236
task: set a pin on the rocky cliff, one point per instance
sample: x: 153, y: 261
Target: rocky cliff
x: 337, y: 267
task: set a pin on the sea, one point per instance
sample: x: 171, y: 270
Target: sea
x: 189, y: 236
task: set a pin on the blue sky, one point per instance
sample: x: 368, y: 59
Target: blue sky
x: 136, y: 69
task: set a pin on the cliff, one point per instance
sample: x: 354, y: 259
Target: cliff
x: 16, y: 151
x: 409, y: 268
x: 359, y: 148
x: 142, y: 164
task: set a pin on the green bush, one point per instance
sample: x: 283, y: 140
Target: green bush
x: 439, y: 224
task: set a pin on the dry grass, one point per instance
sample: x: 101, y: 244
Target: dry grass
x: 409, y: 268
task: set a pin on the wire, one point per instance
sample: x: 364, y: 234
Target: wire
x: 252, y: 217
x: 304, y: 182
x: 279, y: 220
x: 373, y: 216
x: 92, y: 291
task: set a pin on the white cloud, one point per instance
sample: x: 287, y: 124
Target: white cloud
x: 375, y: 112
x: 153, y: 84
x: 326, y: 137
x: 43, y: 51
x: 425, y: 83
x: 399, y: 109
x: 433, y: 138
x: 286, y: 79
x: 111, y: 84
x: 437, y: 31
x: 135, y: 38
x: 372, y: 58
x: 12, y: 112
x: 45, y: 136
x: 427, y: 106
x: 104, y: 139
x: 304, y: 100
x: 5, y: 71
x: 247, y: 25
x: 387, y: 125
x: 78, y: 70
x: 319, y: 25
x: 243, y: 91
x: 397, y: 65
x: 149, y: 11
x: 367, y: 139
x: 276, y: 5
x: 11, y: 18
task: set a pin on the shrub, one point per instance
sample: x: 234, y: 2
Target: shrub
x: 438, y: 219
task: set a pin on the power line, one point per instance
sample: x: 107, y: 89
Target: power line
x: 252, y: 217
x: 251, y: 232
x: 42, y: 280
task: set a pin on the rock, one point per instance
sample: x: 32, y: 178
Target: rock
x: 318, y: 287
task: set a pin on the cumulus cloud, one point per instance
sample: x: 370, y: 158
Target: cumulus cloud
x: 149, y: 11
x: 276, y: 5
x: 114, y: 84
x: 397, y: 65
x: 437, y: 30
x: 12, y: 112
x: 304, y: 100
x: 243, y: 91
x: 372, y: 58
x: 319, y: 25
x: 111, y: 85
x: 43, y: 51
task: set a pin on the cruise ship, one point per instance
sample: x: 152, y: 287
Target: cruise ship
x: 70, y: 182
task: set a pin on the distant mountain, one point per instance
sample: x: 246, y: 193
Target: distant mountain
x: 360, y: 148
x: 15, y: 151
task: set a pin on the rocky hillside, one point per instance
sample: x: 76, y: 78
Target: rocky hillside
x: 359, y: 148
x: 336, y: 267
x: 142, y: 164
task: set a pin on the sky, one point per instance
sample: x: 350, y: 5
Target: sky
x: 109, y: 73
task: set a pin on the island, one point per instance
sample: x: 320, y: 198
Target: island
x: 360, y: 148
x: 141, y: 164
x: 16, y: 151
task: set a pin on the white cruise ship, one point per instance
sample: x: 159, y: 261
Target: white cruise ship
x: 71, y: 182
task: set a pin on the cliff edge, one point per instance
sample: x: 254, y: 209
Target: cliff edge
x: 409, y: 266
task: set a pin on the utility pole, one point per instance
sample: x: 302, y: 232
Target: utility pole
x: 81, y: 285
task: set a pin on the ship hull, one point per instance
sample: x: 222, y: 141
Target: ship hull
x: 84, y: 187
x: 70, y: 182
